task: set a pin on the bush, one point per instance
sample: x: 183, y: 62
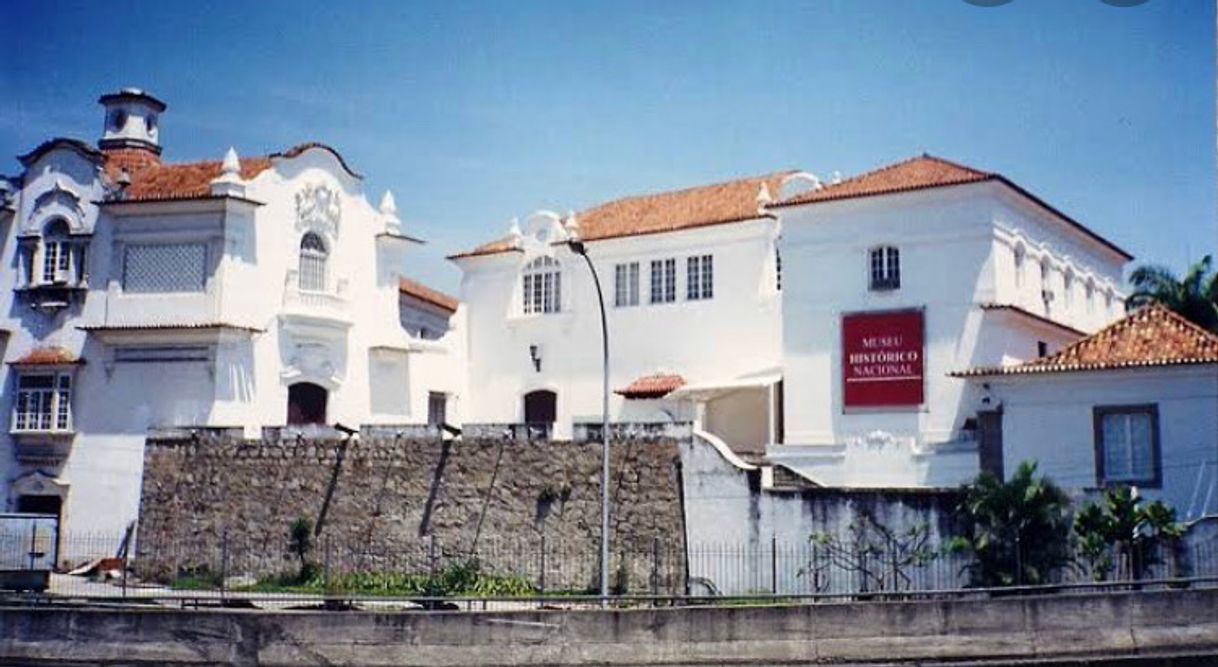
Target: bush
x: 1017, y: 530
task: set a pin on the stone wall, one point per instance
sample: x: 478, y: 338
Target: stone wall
x: 409, y: 500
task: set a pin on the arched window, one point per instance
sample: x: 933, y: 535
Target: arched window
x: 1089, y: 291
x: 885, y: 268
x: 542, y: 287
x: 56, y: 253
x: 312, y: 272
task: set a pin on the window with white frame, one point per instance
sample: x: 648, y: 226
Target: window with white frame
x: 312, y: 268
x: 699, y: 277
x: 885, y: 268
x: 165, y: 267
x: 43, y: 402
x: 626, y: 284
x: 542, y: 287
x: 56, y: 253
x: 1127, y: 445
x: 663, y: 280
x: 1068, y: 288
x: 1089, y: 294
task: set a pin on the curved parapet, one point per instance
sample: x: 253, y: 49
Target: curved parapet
x: 724, y: 451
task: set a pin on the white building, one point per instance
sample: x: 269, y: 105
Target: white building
x: 692, y: 302
x: 727, y: 304
x: 1134, y: 404
x: 246, y: 293
x: 898, y: 277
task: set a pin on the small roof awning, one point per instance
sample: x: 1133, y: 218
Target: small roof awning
x: 658, y: 385
x: 704, y: 391
x: 52, y: 355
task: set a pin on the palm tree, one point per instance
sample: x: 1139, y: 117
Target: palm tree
x: 1195, y: 297
x: 1017, y: 530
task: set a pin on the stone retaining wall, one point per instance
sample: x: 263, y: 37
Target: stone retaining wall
x: 408, y: 500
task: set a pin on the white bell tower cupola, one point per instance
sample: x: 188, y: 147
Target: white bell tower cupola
x: 132, y: 120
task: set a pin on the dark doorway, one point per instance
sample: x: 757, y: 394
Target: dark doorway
x: 990, y: 445
x: 540, y: 408
x: 306, y: 404
x: 39, y: 505
x: 437, y: 408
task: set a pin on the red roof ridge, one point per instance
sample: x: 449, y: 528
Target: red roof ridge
x: 1153, y: 335
x: 424, y: 293
x: 662, y: 211
x: 692, y: 188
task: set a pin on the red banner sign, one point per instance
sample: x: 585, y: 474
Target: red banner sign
x: 882, y: 360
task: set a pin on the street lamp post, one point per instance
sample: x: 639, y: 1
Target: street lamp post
x: 578, y: 248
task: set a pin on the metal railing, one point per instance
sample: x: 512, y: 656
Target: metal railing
x: 527, y: 572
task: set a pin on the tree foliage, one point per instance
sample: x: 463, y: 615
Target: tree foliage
x: 878, y: 555
x: 1194, y: 297
x: 1017, y: 531
x: 1121, y: 526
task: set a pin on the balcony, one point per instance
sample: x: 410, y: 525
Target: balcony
x: 328, y: 308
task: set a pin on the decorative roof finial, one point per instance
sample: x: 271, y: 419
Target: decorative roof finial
x: 571, y: 225
x: 515, y: 236
x: 229, y: 183
x: 764, y: 198
x: 231, y: 165
x: 388, y: 205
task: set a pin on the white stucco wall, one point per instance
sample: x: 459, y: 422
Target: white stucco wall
x: 1048, y: 418
x: 251, y: 252
x: 953, y: 243
x: 733, y: 334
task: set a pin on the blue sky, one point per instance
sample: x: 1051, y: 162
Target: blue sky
x: 474, y: 112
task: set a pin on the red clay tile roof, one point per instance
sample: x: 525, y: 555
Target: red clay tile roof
x: 426, y: 294
x: 153, y: 180
x: 150, y: 179
x: 731, y: 201
x: 651, y: 386
x: 47, y: 356
x: 921, y: 173
x: 913, y: 174
x: 1152, y: 336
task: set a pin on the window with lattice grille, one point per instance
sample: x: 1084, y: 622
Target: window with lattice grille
x: 165, y: 267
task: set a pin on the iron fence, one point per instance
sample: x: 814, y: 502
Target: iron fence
x: 536, y: 570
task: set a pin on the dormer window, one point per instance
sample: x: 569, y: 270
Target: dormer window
x: 313, y: 256
x: 541, y: 290
x: 885, y: 268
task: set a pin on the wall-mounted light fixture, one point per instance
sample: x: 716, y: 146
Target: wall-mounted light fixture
x: 535, y: 355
